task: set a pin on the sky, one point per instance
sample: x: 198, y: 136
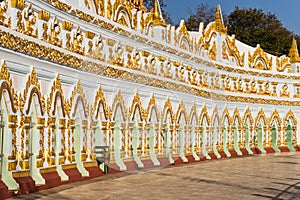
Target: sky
x: 287, y: 11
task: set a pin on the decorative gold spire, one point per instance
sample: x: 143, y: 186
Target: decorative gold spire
x: 219, y: 24
x: 294, y: 55
x: 156, y: 15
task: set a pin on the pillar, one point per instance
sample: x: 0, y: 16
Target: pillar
x: 135, y: 143
x: 225, y: 137
x: 274, y: 139
x: 260, y: 139
x: 247, y: 140
x: 236, y: 141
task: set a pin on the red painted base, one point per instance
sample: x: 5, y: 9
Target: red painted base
x: 52, y: 179
x: 114, y: 169
x: 148, y: 164
x: 94, y: 172
x: 4, y: 193
x: 269, y: 150
x: 164, y: 162
x: 244, y: 151
x: 131, y: 166
x: 284, y: 149
x: 233, y: 153
x: 222, y: 154
x: 73, y: 174
x: 27, y: 185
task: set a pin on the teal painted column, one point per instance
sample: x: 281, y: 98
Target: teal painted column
x: 135, y: 143
x: 289, y: 138
x: 167, y: 143
x: 181, y: 143
x: 6, y: 176
x: 236, y: 141
x: 77, y: 148
x: 260, y: 140
x: 225, y: 135
x: 215, y: 140
x: 33, y: 149
x: 152, y: 144
x: 247, y: 139
x: 117, y: 146
x: 274, y: 139
x: 196, y: 157
x: 204, y: 143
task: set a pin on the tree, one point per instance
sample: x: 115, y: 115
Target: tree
x: 149, y: 5
x: 252, y: 26
x: 203, y: 13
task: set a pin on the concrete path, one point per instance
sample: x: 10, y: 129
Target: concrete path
x: 253, y: 177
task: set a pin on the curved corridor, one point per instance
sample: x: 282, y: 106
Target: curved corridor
x: 254, y: 177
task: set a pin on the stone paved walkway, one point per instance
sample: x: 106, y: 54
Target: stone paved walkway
x: 253, y: 177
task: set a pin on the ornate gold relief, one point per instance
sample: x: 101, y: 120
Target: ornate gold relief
x: 284, y: 91
x: 79, y: 93
x: 100, y: 99
x: 261, y: 115
x: 248, y: 117
x: 54, y: 37
x: 118, y: 100
x: 152, y: 104
x: 260, y: 60
x: 204, y: 115
x: 29, y: 22
x: 136, y: 105
x: 226, y: 116
x: 293, y: 54
x: 168, y: 108
x: 4, y: 20
x: 20, y: 4
x: 234, y: 51
x: 181, y: 110
x: 44, y: 15
x: 283, y: 64
x: 68, y: 26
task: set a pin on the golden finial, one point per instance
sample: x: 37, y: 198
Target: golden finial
x: 293, y: 54
x: 156, y: 15
x: 219, y: 23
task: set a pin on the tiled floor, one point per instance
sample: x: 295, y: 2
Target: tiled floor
x: 253, y: 177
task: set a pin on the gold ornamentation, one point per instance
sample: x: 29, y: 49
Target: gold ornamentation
x: 118, y: 57
x: 168, y: 109
x: 152, y: 106
x: 118, y: 100
x: 20, y: 4
x: 293, y: 54
x: 204, y: 116
x: 283, y: 64
x: 284, y: 91
x: 44, y: 15
x: 260, y: 60
x: 98, y: 52
x: 4, y: 21
x: 234, y: 51
x: 30, y: 20
x: 181, y: 110
x: 136, y: 105
x: 68, y: 26
x: 77, y: 41
x: 54, y: 33
x: 78, y: 92
x: 100, y: 99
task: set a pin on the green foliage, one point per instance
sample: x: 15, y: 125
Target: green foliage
x: 203, y: 13
x: 149, y: 5
x: 252, y: 26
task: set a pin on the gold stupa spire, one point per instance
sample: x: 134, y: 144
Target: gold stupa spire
x: 219, y: 23
x: 157, y: 18
x: 293, y: 54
